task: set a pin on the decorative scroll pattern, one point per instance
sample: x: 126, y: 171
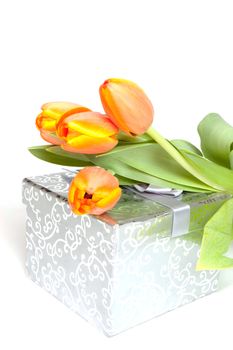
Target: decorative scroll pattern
x: 114, y: 276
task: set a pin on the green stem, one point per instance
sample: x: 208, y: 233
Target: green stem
x: 175, y: 154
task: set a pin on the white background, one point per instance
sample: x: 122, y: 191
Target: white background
x: 181, y: 53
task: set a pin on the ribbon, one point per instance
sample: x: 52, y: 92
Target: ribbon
x: 170, y: 198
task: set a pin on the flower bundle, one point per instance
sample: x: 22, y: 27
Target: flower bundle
x: 121, y: 147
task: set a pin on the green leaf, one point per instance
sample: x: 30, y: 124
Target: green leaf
x: 221, y: 176
x: 133, y: 139
x: 177, y: 155
x: 123, y: 181
x: 44, y: 153
x: 124, y: 169
x: 76, y: 156
x: 186, y: 146
x: 231, y: 160
x: 217, y: 237
x: 217, y: 139
x: 124, y: 147
x: 153, y: 160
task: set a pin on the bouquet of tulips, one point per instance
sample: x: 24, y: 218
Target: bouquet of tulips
x: 121, y: 147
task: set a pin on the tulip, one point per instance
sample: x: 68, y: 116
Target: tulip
x: 47, y: 120
x: 127, y: 105
x: 130, y: 109
x: 87, y: 132
x: 93, y: 191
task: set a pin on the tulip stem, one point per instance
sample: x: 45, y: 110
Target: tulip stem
x: 176, y: 155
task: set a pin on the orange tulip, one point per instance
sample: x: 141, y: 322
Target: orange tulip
x: 127, y: 105
x: 87, y: 132
x: 93, y: 191
x: 51, y: 112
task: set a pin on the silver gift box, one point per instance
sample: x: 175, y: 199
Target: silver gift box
x: 119, y: 269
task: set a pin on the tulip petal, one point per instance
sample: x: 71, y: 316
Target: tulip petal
x: 127, y: 105
x: 52, y: 111
x: 56, y: 109
x: 45, y: 122
x: 72, y: 190
x: 90, y: 145
x: 62, y: 123
x: 51, y: 138
x: 107, y: 203
x: 92, y: 124
x: 97, y: 180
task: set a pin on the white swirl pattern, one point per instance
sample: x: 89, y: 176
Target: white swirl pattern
x: 113, y: 276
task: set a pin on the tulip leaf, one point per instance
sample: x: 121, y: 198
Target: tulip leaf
x: 124, y: 146
x: 217, y: 139
x: 186, y: 146
x: 221, y: 176
x: 124, y: 181
x: 133, y: 139
x: 231, y: 159
x: 44, y: 153
x: 153, y: 160
x: 124, y: 169
x: 60, y: 152
x: 180, y: 144
x: 217, y: 237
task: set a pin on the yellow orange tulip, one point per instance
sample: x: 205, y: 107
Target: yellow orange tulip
x: 127, y: 105
x: 46, y: 121
x: 93, y: 191
x: 87, y: 132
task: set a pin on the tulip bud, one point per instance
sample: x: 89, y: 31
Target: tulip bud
x: 93, y: 191
x: 52, y: 111
x: 127, y: 105
x: 87, y: 132
x: 47, y: 120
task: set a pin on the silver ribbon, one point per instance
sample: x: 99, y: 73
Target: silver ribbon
x: 170, y: 198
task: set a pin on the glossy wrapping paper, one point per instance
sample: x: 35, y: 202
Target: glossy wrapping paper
x: 122, y: 268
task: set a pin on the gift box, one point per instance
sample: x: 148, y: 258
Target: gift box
x: 124, y: 267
